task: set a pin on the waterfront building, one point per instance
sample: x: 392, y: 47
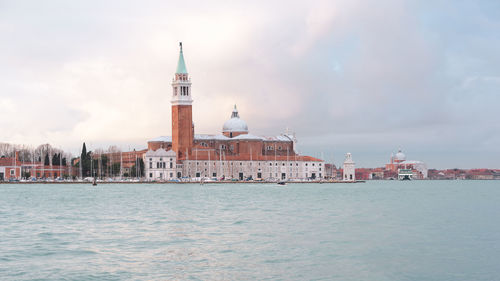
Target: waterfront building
x: 234, y: 153
x: 403, y: 168
x: 12, y: 168
x: 161, y: 164
x: 349, y: 172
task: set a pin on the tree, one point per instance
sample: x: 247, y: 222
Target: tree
x: 134, y: 170
x: 55, y: 159
x: 85, y: 160
x: 46, y: 161
x: 115, y: 169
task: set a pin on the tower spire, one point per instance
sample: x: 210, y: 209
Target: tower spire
x: 235, y: 113
x: 181, y: 65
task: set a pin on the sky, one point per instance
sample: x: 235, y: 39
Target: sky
x: 367, y: 77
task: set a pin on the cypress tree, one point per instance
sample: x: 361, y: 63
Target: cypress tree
x: 84, y: 161
x: 55, y: 159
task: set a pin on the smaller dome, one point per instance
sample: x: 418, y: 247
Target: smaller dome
x: 400, y: 156
x: 235, y: 124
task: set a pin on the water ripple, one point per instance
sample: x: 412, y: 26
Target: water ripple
x: 373, y: 231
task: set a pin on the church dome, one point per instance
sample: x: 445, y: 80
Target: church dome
x: 235, y: 124
x: 400, y: 156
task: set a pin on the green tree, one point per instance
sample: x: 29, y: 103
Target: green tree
x: 85, y: 161
x: 115, y: 169
x: 138, y: 172
x: 55, y: 159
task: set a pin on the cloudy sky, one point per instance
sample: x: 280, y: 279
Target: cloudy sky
x: 366, y: 77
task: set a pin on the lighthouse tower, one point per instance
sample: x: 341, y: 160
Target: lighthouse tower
x: 349, y: 170
x: 182, y: 117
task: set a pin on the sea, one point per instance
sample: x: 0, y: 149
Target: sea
x: 376, y: 230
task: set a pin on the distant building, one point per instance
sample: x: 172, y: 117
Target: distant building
x: 232, y: 154
x: 10, y: 168
x: 349, y: 170
x: 401, y: 167
x: 161, y: 164
x: 330, y: 171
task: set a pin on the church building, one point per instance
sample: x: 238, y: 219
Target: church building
x: 232, y: 154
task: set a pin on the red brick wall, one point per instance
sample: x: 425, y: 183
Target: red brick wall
x: 182, y: 131
x: 159, y: 144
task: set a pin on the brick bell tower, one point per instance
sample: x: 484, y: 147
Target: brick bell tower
x: 182, y: 117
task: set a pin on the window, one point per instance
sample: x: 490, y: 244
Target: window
x: 306, y: 164
x: 151, y: 165
x: 171, y: 174
x: 150, y: 175
x: 279, y: 147
x: 171, y: 164
x: 313, y: 164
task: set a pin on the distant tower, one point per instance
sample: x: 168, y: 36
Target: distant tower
x: 349, y: 171
x: 182, y: 116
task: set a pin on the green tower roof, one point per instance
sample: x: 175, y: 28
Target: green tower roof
x: 181, y: 65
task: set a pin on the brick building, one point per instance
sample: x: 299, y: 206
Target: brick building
x: 11, y: 168
x: 234, y: 153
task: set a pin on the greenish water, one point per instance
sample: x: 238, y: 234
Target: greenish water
x: 379, y: 230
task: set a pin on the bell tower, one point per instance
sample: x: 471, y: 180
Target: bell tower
x: 182, y: 117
